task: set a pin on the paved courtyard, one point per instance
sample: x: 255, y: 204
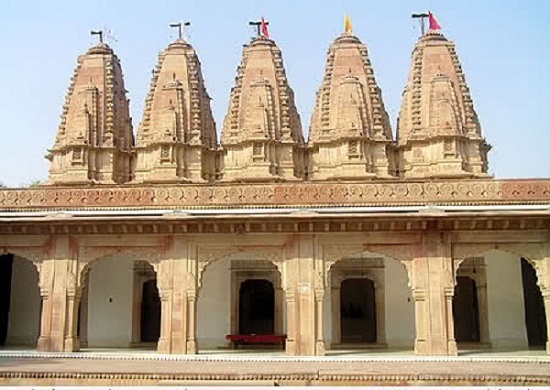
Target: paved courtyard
x: 108, y: 367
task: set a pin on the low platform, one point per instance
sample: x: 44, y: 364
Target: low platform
x: 126, y: 368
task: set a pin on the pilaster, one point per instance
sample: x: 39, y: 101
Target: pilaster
x: 433, y: 289
x: 303, y: 334
x: 178, y: 291
x: 59, y: 298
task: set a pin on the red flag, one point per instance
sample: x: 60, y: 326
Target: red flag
x: 263, y: 28
x: 433, y: 23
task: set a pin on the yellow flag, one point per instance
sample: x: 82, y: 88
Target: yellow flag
x: 347, y: 24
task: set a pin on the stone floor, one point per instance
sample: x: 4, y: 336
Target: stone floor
x: 146, y: 367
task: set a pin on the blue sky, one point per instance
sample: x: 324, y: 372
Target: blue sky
x: 504, y: 47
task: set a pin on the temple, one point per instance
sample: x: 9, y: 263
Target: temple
x: 352, y: 240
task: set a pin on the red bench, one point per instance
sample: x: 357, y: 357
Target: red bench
x: 240, y: 339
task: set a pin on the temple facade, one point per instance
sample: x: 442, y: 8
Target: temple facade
x: 349, y: 240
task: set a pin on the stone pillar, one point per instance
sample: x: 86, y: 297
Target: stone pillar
x: 83, y: 334
x: 72, y: 343
x: 380, y: 311
x: 319, y: 342
x: 191, y: 344
x: 300, y: 253
x: 433, y: 289
x: 177, y: 283
x: 278, y: 317
x: 481, y: 285
x: 291, y: 318
x: 58, y: 310
x: 335, y: 318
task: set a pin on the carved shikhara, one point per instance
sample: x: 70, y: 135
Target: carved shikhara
x: 283, y: 194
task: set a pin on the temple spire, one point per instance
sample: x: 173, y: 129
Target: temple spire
x: 176, y: 139
x: 94, y: 139
x: 350, y: 135
x: 438, y: 131
x: 262, y: 135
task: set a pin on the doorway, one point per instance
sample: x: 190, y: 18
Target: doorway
x: 466, y: 310
x: 256, y: 307
x: 150, y: 312
x: 358, y: 311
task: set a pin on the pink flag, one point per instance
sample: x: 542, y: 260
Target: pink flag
x: 263, y: 28
x: 433, y: 23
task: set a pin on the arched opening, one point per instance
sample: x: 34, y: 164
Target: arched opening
x: 256, y: 307
x: 20, y: 302
x: 535, y: 314
x: 466, y: 311
x: 358, y: 311
x: 120, y: 305
x: 240, y: 295
x: 509, y: 302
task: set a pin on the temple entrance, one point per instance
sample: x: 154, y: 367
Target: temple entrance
x: 466, y: 310
x: 150, y: 312
x: 535, y: 315
x: 256, y: 307
x: 20, y: 302
x: 120, y: 305
x: 358, y: 311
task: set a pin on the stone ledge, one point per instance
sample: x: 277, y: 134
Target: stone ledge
x: 384, y: 193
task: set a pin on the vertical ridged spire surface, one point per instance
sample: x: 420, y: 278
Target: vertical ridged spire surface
x: 262, y: 134
x: 350, y: 134
x: 176, y: 139
x: 94, y: 139
x: 438, y: 131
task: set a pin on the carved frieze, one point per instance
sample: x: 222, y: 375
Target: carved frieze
x: 282, y: 194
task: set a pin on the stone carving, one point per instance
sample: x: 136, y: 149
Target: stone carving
x: 89, y: 254
x: 262, y: 135
x: 438, y: 130
x: 211, y: 253
x: 349, y: 121
x: 284, y: 194
x: 95, y: 135
x: 176, y: 139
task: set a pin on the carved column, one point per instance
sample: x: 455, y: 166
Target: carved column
x: 278, y: 317
x: 291, y: 318
x: 57, y: 274
x: 300, y: 253
x: 380, y: 310
x: 46, y: 284
x: 336, y: 311
x: 191, y: 346
x: 83, y: 333
x: 72, y: 343
x: 319, y: 342
x: 433, y: 283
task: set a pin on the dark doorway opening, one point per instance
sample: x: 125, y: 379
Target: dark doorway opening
x: 466, y: 310
x: 150, y: 312
x: 535, y: 315
x: 6, y: 267
x: 256, y: 307
x: 357, y: 311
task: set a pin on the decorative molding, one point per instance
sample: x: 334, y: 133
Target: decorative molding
x: 210, y: 253
x: 482, y: 191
